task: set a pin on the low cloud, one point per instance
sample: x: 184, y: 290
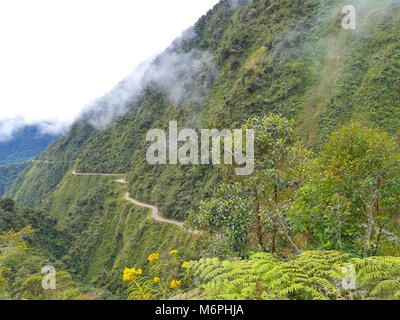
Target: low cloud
x: 235, y: 3
x: 10, y: 127
x: 116, y: 103
x: 186, y: 75
x: 181, y: 75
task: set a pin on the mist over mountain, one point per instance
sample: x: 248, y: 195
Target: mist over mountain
x: 175, y: 72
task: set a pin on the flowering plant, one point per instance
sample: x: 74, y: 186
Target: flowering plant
x: 168, y: 274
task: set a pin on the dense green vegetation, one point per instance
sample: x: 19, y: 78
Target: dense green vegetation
x: 314, y: 275
x: 9, y: 173
x: 22, y: 274
x: 35, y: 185
x: 47, y: 237
x: 344, y: 199
x: 288, y: 57
x: 350, y: 201
x: 36, y: 243
x: 108, y: 232
x: 323, y: 102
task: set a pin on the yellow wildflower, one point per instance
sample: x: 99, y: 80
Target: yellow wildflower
x: 173, y: 252
x: 186, y: 265
x: 130, y: 274
x: 156, y: 280
x: 175, y: 284
x: 154, y: 256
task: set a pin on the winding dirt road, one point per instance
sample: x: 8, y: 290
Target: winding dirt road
x: 97, y: 174
x: 155, y: 212
x: 156, y: 215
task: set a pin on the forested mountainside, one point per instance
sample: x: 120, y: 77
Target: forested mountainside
x: 260, y: 57
x: 47, y: 238
x: 37, y: 243
x: 270, y: 56
x: 40, y: 179
x: 9, y: 173
x: 26, y: 143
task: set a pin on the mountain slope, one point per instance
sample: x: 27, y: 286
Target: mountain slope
x: 110, y: 232
x: 39, y: 179
x: 267, y: 56
x: 9, y: 173
x: 291, y: 57
x: 26, y: 143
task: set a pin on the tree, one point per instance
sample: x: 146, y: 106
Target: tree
x: 7, y: 204
x: 251, y: 209
x: 229, y: 214
x: 19, y: 267
x: 352, y: 198
x: 13, y: 251
x: 65, y: 289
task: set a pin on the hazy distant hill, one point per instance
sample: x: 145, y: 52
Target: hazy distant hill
x: 8, y: 174
x: 26, y: 143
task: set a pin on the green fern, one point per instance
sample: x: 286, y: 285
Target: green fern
x: 382, y: 275
x: 313, y: 275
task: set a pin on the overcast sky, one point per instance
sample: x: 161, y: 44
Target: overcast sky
x: 56, y: 56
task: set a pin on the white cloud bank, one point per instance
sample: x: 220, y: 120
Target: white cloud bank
x: 58, y: 56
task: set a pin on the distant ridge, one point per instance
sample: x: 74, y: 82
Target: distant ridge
x: 26, y: 143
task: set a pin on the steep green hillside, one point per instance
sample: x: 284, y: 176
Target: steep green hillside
x: 9, y: 173
x: 48, y: 238
x: 110, y: 233
x: 26, y: 143
x: 36, y: 183
x: 291, y: 57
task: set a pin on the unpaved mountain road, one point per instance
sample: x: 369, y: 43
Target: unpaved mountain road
x: 97, y: 174
x: 156, y: 215
x: 155, y: 212
x: 123, y: 181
